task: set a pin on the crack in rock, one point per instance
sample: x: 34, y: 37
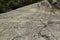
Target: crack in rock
x: 45, y: 33
x: 49, y: 31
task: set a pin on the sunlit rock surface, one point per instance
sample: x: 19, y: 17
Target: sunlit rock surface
x: 33, y: 22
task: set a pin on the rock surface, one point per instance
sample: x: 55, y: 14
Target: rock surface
x: 33, y: 22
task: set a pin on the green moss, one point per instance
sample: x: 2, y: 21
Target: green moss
x: 50, y: 1
x: 7, y: 5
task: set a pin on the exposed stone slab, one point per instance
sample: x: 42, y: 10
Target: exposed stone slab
x: 33, y: 22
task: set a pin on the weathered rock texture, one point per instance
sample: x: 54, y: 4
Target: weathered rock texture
x: 33, y: 22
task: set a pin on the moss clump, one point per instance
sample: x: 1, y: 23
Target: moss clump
x: 7, y: 5
x: 50, y: 1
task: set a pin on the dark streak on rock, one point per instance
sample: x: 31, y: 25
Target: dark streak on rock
x: 45, y: 25
x: 53, y: 22
x: 44, y: 36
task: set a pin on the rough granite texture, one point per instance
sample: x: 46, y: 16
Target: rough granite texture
x: 33, y: 22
